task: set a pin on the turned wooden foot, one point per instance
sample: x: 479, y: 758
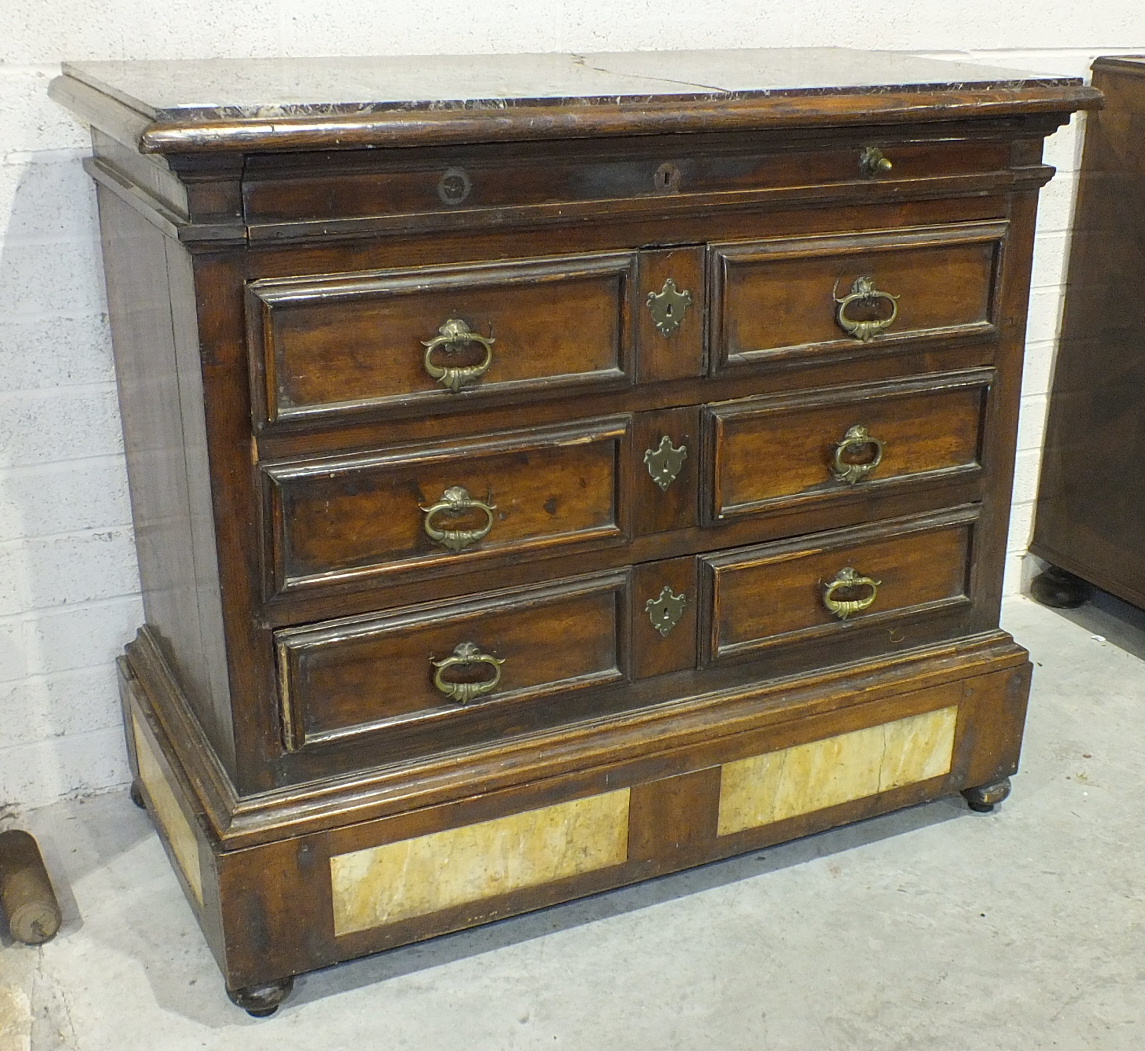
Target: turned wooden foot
x: 261, y: 1001
x: 1059, y: 589
x: 136, y: 794
x: 984, y: 798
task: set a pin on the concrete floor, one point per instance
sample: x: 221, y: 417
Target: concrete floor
x: 934, y: 928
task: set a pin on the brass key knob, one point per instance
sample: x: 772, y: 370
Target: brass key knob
x: 873, y: 161
x: 466, y: 653
x: 847, y: 579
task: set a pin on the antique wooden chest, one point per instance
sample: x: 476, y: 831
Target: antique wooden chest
x: 553, y: 471
x: 1091, y: 500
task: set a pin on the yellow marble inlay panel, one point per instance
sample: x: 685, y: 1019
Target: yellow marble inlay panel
x: 813, y: 776
x: 167, y: 813
x: 415, y: 877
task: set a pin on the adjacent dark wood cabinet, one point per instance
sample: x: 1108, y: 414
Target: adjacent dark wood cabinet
x: 548, y: 474
x: 1090, y: 519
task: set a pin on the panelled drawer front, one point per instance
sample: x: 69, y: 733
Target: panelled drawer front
x: 781, y: 299
x: 343, y: 679
x: 772, y: 453
x: 774, y: 595
x: 353, y: 344
x: 522, y: 492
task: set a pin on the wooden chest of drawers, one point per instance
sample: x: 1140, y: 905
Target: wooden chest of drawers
x: 550, y: 472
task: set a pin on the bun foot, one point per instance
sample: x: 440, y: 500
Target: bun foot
x: 1059, y: 589
x: 136, y: 794
x: 984, y: 798
x: 261, y: 1001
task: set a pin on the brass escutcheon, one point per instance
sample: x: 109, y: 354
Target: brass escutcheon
x: 455, y: 334
x: 456, y: 501
x: 454, y: 186
x: 872, y: 161
x: 668, y: 307
x: 856, y: 437
x: 665, y: 610
x: 849, y: 578
x: 864, y: 291
x: 465, y: 692
x: 665, y: 461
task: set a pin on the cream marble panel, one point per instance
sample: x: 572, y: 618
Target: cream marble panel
x: 415, y: 877
x: 167, y: 813
x: 807, y: 777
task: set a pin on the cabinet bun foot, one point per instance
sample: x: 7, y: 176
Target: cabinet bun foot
x: 984, y: 798
x: 1061, y: 590
x: 261, y: 1001
x: 136, y: 795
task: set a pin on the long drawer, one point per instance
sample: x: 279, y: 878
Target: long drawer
x: 439, y: 187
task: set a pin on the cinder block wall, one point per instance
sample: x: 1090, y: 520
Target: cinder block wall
x: 68, y: 581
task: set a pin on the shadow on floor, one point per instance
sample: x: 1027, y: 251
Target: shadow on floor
x: 1119, y: 623
x: 449, y: 948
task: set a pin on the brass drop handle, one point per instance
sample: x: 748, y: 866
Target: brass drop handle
x: 456, y: 501
x: 465, y: 692
x: 857, y: 437
x: 873, y: 161
x: 849, y: 578
x: 864, y: 291
x: 453, y: 335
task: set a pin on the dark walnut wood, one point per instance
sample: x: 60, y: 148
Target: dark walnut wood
x: 552, y: 474
x: 1092, y: 489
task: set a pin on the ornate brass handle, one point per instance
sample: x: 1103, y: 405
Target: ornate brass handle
x: 849, y: 578
x: 455, y: 501
x: 864, y: 291
x: 873, y: 161
x: 856, y: 437
x: 465, y: 692
x: 456, y: 333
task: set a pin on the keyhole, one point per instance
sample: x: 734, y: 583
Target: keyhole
x: 667, y: 178
x: 454, y: 186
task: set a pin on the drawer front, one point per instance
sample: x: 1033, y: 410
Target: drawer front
x: 814, y: 589
x: 772, y: 453
x: 810, y: 297
x: 377, y: 342
x: 442, y: 187
x: 496, y: 496
x: 451, y: 663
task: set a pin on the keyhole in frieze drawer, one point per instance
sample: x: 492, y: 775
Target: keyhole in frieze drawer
x: 667, y: 178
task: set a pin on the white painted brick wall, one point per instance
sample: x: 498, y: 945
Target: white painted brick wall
x: 68, y: 581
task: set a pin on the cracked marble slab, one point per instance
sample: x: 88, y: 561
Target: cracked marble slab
x: 262, y: 88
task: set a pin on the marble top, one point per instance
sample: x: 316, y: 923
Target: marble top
x: 269, y: 88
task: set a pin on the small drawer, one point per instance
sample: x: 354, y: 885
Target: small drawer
x: 827, y: 587
x: 331, y: 347
x: 451, y: 663
x: 334, y: 520
x: 775, y: 453
x: 799, y: 298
